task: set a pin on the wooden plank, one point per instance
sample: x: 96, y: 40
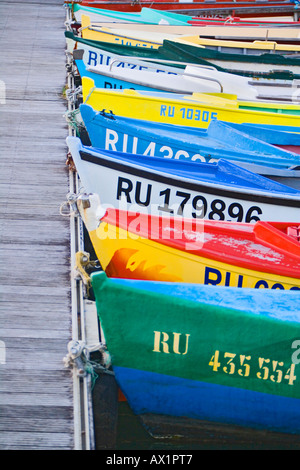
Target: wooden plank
x: 42, y: 440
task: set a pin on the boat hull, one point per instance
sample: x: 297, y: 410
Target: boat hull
x: 244, y: 9
x: 162, y: 140
x: 202, y: 355
x: 195, y: 110
x: 134, y: 184
x: 144, y: 76
x: 101, y: 53
x: 233, y: 62
x: 126, y: 255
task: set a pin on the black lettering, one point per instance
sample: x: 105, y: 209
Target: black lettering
x: 277, y: 286
x: 216, y: 280
x: 138, y: 194
x: 122, y: 188
x: 261, y: 283
x: 227, y: 278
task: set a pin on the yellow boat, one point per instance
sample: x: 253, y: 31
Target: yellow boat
x: 277, y: 34
x: 233, y: 46
x: 142, y: 246
x: 195, y: 110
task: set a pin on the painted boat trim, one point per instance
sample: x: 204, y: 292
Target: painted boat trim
x: 286, y: 200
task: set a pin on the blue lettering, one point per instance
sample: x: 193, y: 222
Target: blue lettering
x: 163, y: 110
x: 189, y: 114
x: 171, y: 111
x: 92, y: 58
x: 205, y: 116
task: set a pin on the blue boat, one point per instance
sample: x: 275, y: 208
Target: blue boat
x: 220, y: 191
x: 205, y: 361
x: 220, y: 140
x: 103, y: 81
x: 281, y: 136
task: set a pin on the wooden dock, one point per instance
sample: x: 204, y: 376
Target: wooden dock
x: 36, y: 389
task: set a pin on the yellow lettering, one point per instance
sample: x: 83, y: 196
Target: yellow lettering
x: 163, y: 342
x: 177, y: 341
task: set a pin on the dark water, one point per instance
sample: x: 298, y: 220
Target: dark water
x: 118, y: 429
x: 132, y: 435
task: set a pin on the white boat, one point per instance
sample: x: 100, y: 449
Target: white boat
x: 159, y: 186
x: 191, y: 79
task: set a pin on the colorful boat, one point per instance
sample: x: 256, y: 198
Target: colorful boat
x: 102, y: 53
x: 244, y: 47
x: 105, y: 34
x: 279, y: 137
x: 283, y: 37
x: 205, y: 362
x: 288, y: 35
x: 189, y: 80
x: 150, y: 15
x: 244, y: 8
x: 237, y: 21
x: 153, y: 39
x: 173, y: 188
x: 236, y: 63
x: 279, y: 34
x: 145, y: 16
x: 133, y: 245
x: 144, y: 75
x: 196, y: 110
x: 116, y: 133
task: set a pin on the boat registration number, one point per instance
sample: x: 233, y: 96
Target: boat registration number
x: 190, y: 114
x: 264, y: 369
x: 197, y: 206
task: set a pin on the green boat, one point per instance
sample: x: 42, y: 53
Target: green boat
x: 188, y: 357
x: 234, y: 62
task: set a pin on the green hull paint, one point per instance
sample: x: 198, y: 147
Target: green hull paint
x: 207, y: 341
x: 175, y: 52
